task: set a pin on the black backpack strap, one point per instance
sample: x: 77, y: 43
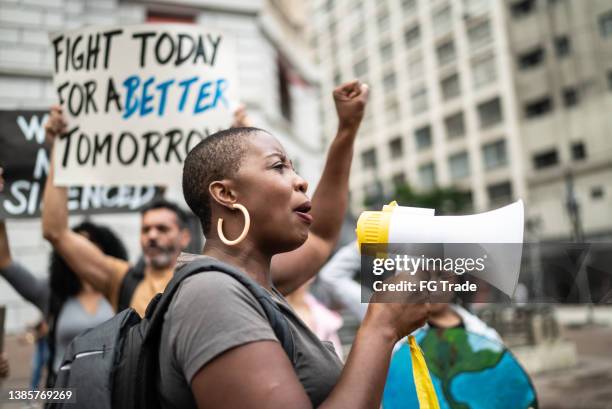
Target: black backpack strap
x: 277, y: 320
x: 129, y: 283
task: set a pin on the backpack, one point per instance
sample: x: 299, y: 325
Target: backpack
x: 131, y: 280
x: 116, y: 364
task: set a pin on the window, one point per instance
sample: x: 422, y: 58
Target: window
x: 374, y: 193
x: 398, y: 180
x: 597, y: 192
x: 392, y: 109
x: 562, y: 46
x: 459, y: 166
x: 570, y: 97
x: 329, y: 5
x: 415, y: 67
x: 531, y: 59
x: 522, y: 8
x: 368, y: 158
x: 455, y: 126
x: 409, y: 5
x: 383, y: 20
x: 538, y: 107
x: 427, y: 176
x: 389, y: 82
x: 442, y: 21
x: 412, y: 36
x: 495, y: 154
x: 446, y: 53
x: 484, y: 71
x: 332, y: 27
x: 422, y: 137
x: 475, y: 6
x: 480, y: 35
x: 500, y: 193
x: 386, y: 51
x: 605, y: 24
x: 578, y: 151
x: 545, y: 159
x: 490, y: 113
x: 419, y: 100
x: 450, y: 87
x: 396, y: 147
x: 361, y: 68
x: 357, y: 39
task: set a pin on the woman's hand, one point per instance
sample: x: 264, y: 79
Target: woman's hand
x: 351, y: 99
x: 56, y: 125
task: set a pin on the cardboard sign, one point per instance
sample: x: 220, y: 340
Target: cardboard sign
x: 138, y: 98
x: 24, y: 156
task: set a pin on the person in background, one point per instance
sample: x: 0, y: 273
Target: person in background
x: 164, y: 230
x: 41, y: 352
x: 69, y: 305
x: 324, y: 322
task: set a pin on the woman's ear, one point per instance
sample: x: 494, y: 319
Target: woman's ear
x: 222, y: 193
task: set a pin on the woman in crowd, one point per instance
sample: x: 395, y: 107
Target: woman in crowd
x: 69, y: 305
x: 217, y: 347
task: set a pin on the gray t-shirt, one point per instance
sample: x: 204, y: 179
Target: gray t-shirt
x: 212, y: 313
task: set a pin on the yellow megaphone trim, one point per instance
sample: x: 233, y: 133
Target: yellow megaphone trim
x: 373, y: 226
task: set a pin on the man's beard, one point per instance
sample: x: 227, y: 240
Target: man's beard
x: 165, y: 258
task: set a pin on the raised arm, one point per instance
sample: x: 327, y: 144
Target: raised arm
x: 83, y: 257
x: 330, y: 200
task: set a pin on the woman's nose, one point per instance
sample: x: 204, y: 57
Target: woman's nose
x: 301, y: 184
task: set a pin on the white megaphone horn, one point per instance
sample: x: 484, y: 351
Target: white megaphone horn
x: 491, y: 230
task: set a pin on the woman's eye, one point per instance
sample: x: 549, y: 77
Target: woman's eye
x: 279, y: 166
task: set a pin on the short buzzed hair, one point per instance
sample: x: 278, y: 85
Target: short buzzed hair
x: 215, y: 158
x: 160, y: 203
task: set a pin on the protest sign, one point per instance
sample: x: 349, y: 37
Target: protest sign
x: 138, y: 98
x: 24, y: 156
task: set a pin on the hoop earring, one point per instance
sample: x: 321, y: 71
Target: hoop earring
x: 245, y: 230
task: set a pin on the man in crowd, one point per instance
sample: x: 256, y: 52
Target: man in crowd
x: 164, y: 230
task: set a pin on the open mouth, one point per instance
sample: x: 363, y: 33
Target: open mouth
x: 302, y: 212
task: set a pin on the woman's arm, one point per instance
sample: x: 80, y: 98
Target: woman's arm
x: 263, y: 374
x: 330, y: 200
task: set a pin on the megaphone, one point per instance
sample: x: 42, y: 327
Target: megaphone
x: 498, y: 233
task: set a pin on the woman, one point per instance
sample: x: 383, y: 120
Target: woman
x: 217, y: 348
x: 69, y: 305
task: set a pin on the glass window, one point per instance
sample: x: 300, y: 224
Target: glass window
x: 361, y: 68
x: 419, y: 100
x: 446, y: 53
x: 480, y: 35
x: 383, y: 20
x: 531, y: 59
x: 399, y: 180
x: 459, y: 166
x: 605, y: 24
x: 389, y: 82
x: 500, y: 193
x: 539, y: 107
x: 475, y: 6
x: 562, y: 46
x: 427, y: 176
x: 392, y: 109
x: 409, y: 5
x: 357, y: 39
x: 522, y: 8
x: 484, y: 71
x: 495, y: 154
x: 545, y: 159
x: 386, y: 51
x: 450, y: 87
x: 442, y: 21
x: 597, y: 192
x: 578, y: 151
x: 422, y: 137
x: 412, y: 36
x: 396, y: 147
x: 490, y: 113
x: 455, y: 126
x: 368, y: 159
x: 571, y: 97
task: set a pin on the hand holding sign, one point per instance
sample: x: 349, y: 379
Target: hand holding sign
x: 56, y: 125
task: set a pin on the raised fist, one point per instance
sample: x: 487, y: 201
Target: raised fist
x: 351, y: 99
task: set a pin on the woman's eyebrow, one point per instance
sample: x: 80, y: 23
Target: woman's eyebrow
x: 280, y: 155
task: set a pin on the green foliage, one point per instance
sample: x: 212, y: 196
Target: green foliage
x: 445, y: 200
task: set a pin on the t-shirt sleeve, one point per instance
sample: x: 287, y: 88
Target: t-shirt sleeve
x: 210, y: 314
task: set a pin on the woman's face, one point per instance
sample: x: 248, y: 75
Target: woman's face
x: 275, y: 196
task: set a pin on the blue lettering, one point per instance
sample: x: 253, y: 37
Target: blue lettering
x: 202, y: 96
x: 131, y: 101
x: 186, y: 84
x: 221, y: 87
x: 145, y: 103
x: 163, y: 88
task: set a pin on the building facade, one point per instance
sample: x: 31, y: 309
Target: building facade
x: 501, y: 99
x: 278, y: 84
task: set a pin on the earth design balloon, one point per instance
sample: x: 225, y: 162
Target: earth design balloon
x: 468, y: 371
